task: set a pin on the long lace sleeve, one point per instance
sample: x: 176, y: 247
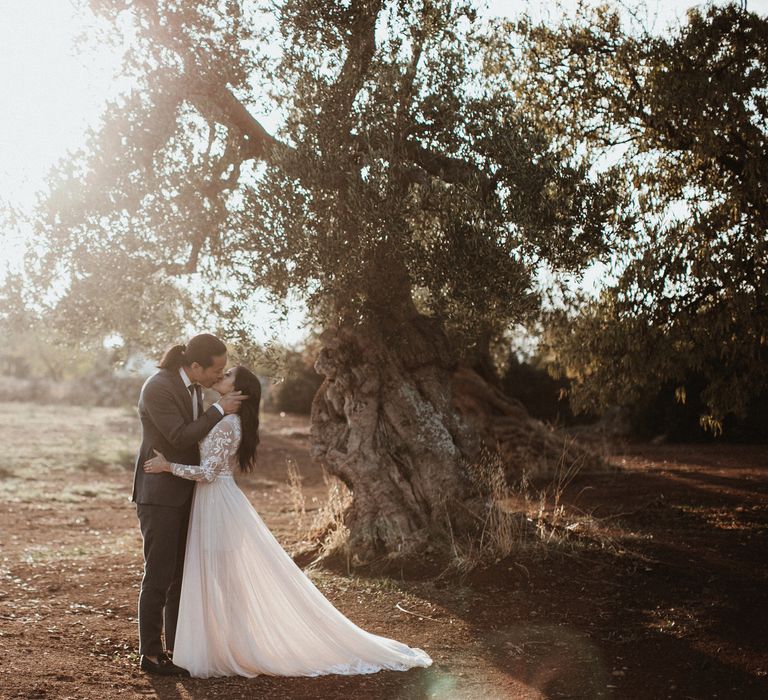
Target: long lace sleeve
x: 220, y: 444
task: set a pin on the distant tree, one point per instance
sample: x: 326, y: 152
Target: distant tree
x: 299, y: 383
x: 32, y: 346
x: 52, y: 364
x: 682, y: 119
x: 406, y: 197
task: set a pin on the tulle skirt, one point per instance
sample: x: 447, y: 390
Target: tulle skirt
x: 246, y: 608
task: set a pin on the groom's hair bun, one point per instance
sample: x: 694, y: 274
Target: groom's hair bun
x: 201, y: 349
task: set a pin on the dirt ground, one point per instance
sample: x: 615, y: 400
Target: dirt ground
x: 662, y: 595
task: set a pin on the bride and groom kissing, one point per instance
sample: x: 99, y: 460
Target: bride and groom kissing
x: 227, y: 596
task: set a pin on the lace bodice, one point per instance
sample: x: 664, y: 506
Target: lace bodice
x: 218, y: 452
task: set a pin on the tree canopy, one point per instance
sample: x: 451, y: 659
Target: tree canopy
x: 401, y: 169
x: 681, y: 118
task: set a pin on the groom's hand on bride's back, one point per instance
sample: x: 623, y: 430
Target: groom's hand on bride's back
x: 231, y: 402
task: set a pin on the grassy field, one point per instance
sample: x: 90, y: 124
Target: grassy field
x: 666, y: 598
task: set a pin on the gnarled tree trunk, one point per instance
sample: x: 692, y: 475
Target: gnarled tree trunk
x: 383, y: 423
x: 398, y: 421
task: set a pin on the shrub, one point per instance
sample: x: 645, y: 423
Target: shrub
x: 295, y: 393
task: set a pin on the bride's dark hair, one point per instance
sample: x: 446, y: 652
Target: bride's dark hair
x: 247, y: 382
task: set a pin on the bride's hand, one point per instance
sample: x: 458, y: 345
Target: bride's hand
x: 157, y: 464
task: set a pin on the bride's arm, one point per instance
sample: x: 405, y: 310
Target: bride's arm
x: 222, y: 442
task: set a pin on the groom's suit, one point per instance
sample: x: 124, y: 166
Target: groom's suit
x: 163, y: 501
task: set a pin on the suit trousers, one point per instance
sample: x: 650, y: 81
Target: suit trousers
x: 164, y: 530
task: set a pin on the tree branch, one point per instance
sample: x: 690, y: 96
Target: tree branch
x: 217, y: 103
x: 448, y: 169
x: 360, y: 50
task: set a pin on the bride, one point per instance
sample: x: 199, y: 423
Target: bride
x: 246, y: 609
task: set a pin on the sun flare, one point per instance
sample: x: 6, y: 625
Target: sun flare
x: 53, y: 92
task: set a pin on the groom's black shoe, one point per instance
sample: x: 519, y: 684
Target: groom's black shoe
x: 163, y: 667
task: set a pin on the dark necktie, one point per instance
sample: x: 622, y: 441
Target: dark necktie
x: 196, y: 402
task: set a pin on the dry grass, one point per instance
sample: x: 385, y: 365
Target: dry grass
x: 328, y: 524
x: 296, y: 492
x: 104, y: 544
x: 327, y: 533
x: 521, y: 517
x: 88, y: 446
x: 513, y: 517
x: 552, y: 516
x: 499, y: 532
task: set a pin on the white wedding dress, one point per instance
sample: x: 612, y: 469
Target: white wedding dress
x: 246, y: 608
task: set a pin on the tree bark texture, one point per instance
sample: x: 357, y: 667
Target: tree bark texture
x: 383, y: 423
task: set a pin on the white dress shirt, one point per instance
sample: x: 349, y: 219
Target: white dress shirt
x: 188, y: 383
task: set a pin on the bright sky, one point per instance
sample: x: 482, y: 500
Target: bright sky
x: 51, y: 94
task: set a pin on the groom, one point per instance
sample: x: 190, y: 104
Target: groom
x: 172, y: 422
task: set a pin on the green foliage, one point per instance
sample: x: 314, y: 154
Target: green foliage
x: 403, y: 170
x: 33, y: 347
x: 42, y: 362
x: 680, y: 119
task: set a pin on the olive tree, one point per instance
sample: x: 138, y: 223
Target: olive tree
x: 404, y: 196
x: 681, y: 117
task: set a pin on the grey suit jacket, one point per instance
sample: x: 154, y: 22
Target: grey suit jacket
x: 165, y: 411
